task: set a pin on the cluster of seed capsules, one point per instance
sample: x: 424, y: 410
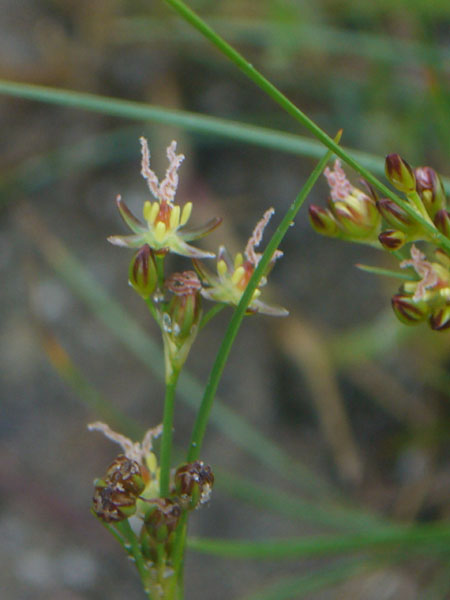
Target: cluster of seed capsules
x: 358, y: 215
x: 119, y: 495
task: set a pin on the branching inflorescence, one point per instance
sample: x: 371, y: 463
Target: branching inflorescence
x: 135, y: 485
x: 361, y: 216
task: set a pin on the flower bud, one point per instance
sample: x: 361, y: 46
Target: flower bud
x: 322, y: 221
x: 161, y: 518
x: 111, y: 504
x: 193, y: 483
x: 126, y: 474
x: 442, y: 221
x: 409, y: 311
x: 430, y: 189
x: 400, y: 173
x: 184, y: 310
x: 394, y: 215
x: 357, y: 215
x: 142, y: 273
x: 392, y: 239
x: 440, y: 319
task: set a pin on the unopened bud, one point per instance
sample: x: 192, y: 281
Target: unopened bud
x: 161, y: 518
x: 322, y: 221
x: 111, y: 504
x: 392, y: 239
x: 184, y: 309
x: 440, y: 319
x: 442, y: 221
x: 125, y: 473
x: 399, y: 173
x: 430, y: 189
x: 142, y: 272
x: 409, y: 311
x: 394, y: 215
x: 357, y: 215
x: 193, y: 483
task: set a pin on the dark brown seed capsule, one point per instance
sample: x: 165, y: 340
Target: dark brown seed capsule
x: 125, y: 473
x: 112, y: 505
x: 193, y: 483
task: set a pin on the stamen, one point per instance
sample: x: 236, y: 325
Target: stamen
x: 237, y: 275
x: 221, y: 268
x: 153, y: 213
x: 175, y: 217
x: 238, y: 260
x: 160, y: 231
x: 186, y: 213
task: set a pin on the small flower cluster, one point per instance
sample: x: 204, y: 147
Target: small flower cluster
x: 162, y: 231
x: 133, y: 485
x: 131, y: 488
x: 361, y: 216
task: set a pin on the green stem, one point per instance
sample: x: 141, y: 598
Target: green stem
x: 152, y: 309
x: 134, y: 549
x: 210, y: 314
x: 178, y: 557
x: 160, y: 269
x: 236, y: 320
x: 417, y: 202
x: 263, y: 83
x: 167, y: 434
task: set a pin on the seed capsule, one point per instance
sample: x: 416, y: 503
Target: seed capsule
x: 111, y: 504
x: 409, y: 311
x: 142, y: 273
x: 193, y: 483
x: 126, y: 474
x: 162, y: 518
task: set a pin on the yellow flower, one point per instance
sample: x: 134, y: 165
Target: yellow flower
x: 233, y: 275
x: 164, y: 227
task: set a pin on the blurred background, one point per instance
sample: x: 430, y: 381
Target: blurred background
x: 354, y: 404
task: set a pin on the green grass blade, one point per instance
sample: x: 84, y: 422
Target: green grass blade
x: 201, y: 124
x: 203, y: 413
x: 149, y: 353
x: 426, y: 538
x: 386, y: 272
x: 290, y: 588
x: 289, y: 107
x: 297, y: 35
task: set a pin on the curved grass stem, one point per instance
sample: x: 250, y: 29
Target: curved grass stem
x: 249, y: 70
x: 236, y: 320
x: 167, y: 434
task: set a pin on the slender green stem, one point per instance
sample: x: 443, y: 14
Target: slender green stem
x: 167, y: 434
x: 387, y: 272
x: 160, y: 270
x: 212, y: 312
x: 152, y: 309
x: 428, y: 537
x: 249, y: 70
x: 236, y: 320
x: 134, y: 549
x: 178, y: 556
